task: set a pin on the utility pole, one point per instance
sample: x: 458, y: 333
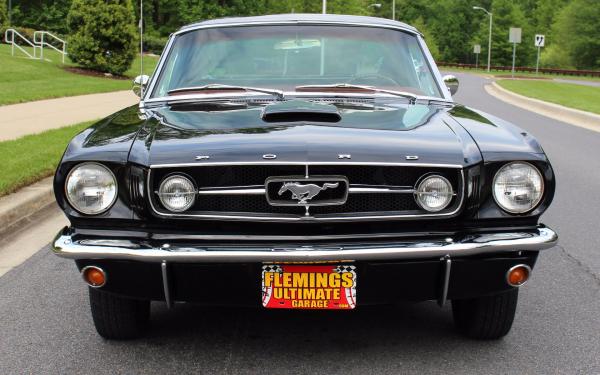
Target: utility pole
x: 489, y: 37
x: 394, y: 10
x: 324, y: 6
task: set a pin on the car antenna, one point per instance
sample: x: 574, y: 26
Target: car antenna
x: 141, y: 26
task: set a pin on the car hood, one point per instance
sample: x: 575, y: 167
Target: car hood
x: 425, y: 133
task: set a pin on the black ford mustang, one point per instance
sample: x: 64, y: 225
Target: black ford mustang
x: 302, y: 162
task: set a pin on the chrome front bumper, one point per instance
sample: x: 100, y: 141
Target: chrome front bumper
x: 539, y: 239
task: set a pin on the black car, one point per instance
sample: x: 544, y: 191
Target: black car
x: 302, y: 162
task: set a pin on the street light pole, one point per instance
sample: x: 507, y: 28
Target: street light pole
x: 489, y: 37
x: 394, y: 10
x: 490, y: 44
x: 324, y: 6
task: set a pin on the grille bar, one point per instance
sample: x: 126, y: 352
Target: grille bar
x: 353, y: 189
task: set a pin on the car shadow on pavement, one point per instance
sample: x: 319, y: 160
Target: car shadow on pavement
x: 417, y: 328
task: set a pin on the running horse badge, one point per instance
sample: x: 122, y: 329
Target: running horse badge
x: 304, y: 193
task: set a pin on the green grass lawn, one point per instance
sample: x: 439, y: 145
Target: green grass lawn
x: 19, y: 166
x: 23, y: 79
x: 586, y: 98
x: 519, y: 74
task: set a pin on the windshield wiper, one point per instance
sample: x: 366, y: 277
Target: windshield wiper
x: 215, y: 86
x: 413, y: 98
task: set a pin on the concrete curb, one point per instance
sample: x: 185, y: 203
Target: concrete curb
x: 17, y: 208
x: 568, y: 115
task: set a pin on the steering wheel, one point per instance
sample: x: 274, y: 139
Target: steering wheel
x: 373, y: 79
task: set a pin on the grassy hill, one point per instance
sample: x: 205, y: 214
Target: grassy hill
x: 23, y: 79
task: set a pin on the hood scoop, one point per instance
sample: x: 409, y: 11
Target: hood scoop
x: 300, y: 111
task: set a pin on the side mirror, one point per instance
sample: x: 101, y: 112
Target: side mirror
x: 451, y: 83
x: 139, y: 84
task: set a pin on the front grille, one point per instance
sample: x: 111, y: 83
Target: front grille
x: 210, y: 179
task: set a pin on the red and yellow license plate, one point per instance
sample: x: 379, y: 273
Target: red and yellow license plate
x: 309, y: 287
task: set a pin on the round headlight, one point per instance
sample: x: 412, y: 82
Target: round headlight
x: 91, y: 188
x: 434, y: 193
x: 518, y: 187
x: 177, y: 193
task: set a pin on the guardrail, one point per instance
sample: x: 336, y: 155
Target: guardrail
x: 566, y: 72
x: 11, y: 41
x: 41, y: 43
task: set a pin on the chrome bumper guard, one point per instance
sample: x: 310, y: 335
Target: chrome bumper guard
x: 539, y: 239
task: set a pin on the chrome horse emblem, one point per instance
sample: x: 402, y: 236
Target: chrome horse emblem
x: 304, y: 193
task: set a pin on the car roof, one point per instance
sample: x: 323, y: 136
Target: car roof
x: 301, y: 18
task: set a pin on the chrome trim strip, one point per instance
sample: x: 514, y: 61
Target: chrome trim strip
x: 239, y: 190
x: 66, y: 246
x: 253, y: 191
x: 399, y: 26
x: 384, y: 164
x: 380, y: 190
x: 163, y: 57
x: 447, y: 265
x: 296, y: 218
x: 165, y: 280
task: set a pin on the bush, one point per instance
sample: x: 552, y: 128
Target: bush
x: 555, y: 56
x: 154, y: 44
x: 25, y: 31
x: 103, y: 34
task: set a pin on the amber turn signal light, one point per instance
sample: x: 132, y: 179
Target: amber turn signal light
x: 518, y: 275
x: 93, y: 276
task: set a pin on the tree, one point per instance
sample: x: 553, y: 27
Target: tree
x: 103, y: 34
x: 41, y: 15
x: 508, y: 14
x: 577, y: 33
x: 3, y: 15
x: 420, y: 25
x: 545, y: 14
x: 454, y: 24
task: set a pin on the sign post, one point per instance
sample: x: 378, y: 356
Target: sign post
x: 514, y: 37
x: 477, y: 51
x: 539, y: 42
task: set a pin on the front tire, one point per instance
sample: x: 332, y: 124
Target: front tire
x: 486, y: 318
x: 117, y: 317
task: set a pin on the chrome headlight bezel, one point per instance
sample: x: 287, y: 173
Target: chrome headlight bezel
x: 83, y: 210
x: 538, y: 199
x: 419, y: 193
x: 161, y: 194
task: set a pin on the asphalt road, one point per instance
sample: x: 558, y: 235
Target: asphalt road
x: 45, y: 325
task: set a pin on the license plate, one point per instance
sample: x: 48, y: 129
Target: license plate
x: 330, y: 287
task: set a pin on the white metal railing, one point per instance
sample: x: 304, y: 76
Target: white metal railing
x: 41, y: 43
x: 13, y: 43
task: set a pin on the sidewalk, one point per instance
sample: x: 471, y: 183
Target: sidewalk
x: 17, y: 120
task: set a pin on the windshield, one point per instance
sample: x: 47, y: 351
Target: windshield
x: 285, y: 57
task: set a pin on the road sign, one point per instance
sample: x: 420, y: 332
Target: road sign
x: 540, y: 40
x: 476, y: 51
x: 515, y: 35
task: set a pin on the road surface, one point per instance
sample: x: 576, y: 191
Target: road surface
x: 45, y: 325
